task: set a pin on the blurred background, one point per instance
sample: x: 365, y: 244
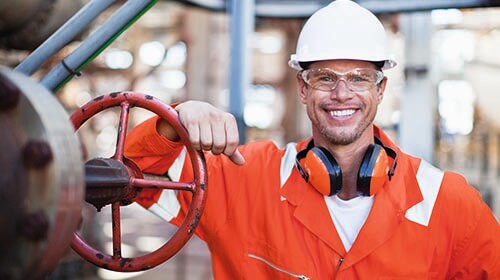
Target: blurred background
x: 441, y: 102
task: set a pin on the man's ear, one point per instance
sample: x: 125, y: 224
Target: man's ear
x: 301, y: 88
x: 381, y: 89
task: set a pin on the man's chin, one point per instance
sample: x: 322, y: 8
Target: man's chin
x: 341, y: 137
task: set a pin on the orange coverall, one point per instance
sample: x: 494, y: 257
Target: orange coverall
x: 263, y: 221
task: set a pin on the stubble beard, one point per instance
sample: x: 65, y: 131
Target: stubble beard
x: 345, y: 135
x: 340, y: 136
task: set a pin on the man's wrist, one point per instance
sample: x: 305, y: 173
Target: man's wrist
x: 166, y: 130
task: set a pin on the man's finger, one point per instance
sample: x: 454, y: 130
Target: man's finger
x: 237, y: 158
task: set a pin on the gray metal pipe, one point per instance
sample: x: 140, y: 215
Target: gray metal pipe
x: 64, y: 35
x: 242, y: 28
x: 95, y: 43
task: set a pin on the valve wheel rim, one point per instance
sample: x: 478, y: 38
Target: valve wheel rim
x: 116, y: 262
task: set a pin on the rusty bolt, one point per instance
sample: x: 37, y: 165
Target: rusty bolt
x: 34, y: 226
x: 37, y: 154
x: 9, y: 93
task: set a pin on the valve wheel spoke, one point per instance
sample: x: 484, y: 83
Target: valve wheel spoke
x: 122, y: 130
x: 156, y: 182
x: 117, y: 234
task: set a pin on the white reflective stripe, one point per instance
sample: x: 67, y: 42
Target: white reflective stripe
x: 287, y: 163
x: 429, y: 179
x: 167, y: 207
x: 166, y: 213
x: 169, y: 204
x: 175, y: 170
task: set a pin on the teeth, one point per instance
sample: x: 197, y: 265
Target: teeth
x: 342, y: 113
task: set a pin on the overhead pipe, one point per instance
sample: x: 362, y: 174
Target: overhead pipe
x: 64, y: 35
x: 304, y: 9
x: 95, y: 43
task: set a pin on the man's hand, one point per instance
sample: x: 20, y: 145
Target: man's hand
x: 209, y: 129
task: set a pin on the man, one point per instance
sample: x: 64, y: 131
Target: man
x: 346, y: 203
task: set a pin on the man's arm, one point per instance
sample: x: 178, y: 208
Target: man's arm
x: 154, y: 146
x: 479, y: 256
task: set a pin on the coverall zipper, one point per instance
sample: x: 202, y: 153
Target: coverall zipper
x: 341, y: 260
x: 298, y: 276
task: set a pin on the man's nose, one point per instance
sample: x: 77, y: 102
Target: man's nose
x: 341, y: 90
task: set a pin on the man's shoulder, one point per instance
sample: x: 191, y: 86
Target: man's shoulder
x: 456, y: 188
x: 451, y: 183
x: 447, y: 186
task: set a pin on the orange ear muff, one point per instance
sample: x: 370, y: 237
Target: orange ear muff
x: 320, y: 169
x: 323, y: 171
x: 373, y: 171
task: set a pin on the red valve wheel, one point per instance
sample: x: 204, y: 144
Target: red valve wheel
x: 135, y: 181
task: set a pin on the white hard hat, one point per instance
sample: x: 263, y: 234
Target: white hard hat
x: 342, y: 30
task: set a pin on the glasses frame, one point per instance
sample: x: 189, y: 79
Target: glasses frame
x: 342, y: 76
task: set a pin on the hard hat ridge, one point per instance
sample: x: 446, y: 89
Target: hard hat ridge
x: 342, y: 30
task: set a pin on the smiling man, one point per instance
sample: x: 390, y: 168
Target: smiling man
x: 346, y: 203
x: 341, y: 98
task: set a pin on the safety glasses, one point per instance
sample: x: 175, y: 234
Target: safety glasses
x: 358, y: 79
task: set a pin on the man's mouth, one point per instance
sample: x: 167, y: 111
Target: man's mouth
x: 342, y: 113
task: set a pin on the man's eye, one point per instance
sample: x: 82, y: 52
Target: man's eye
x: 357, y: 78
x: 326, y: 78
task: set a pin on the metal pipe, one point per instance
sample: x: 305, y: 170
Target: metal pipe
x: 242, y: 28
x: 74, y: 26
x: 303, y: 9
x: 96, y: 43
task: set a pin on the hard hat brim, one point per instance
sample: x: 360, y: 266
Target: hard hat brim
x: 295, y: 64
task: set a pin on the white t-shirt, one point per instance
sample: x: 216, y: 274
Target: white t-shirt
x: 349, y: 216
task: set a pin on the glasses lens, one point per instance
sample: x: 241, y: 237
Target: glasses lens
x: 362, y: 79
x: 322, y: 79
x: 357, y: 79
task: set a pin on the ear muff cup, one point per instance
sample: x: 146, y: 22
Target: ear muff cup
x: 324, y: 172
x: 373, y: 170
